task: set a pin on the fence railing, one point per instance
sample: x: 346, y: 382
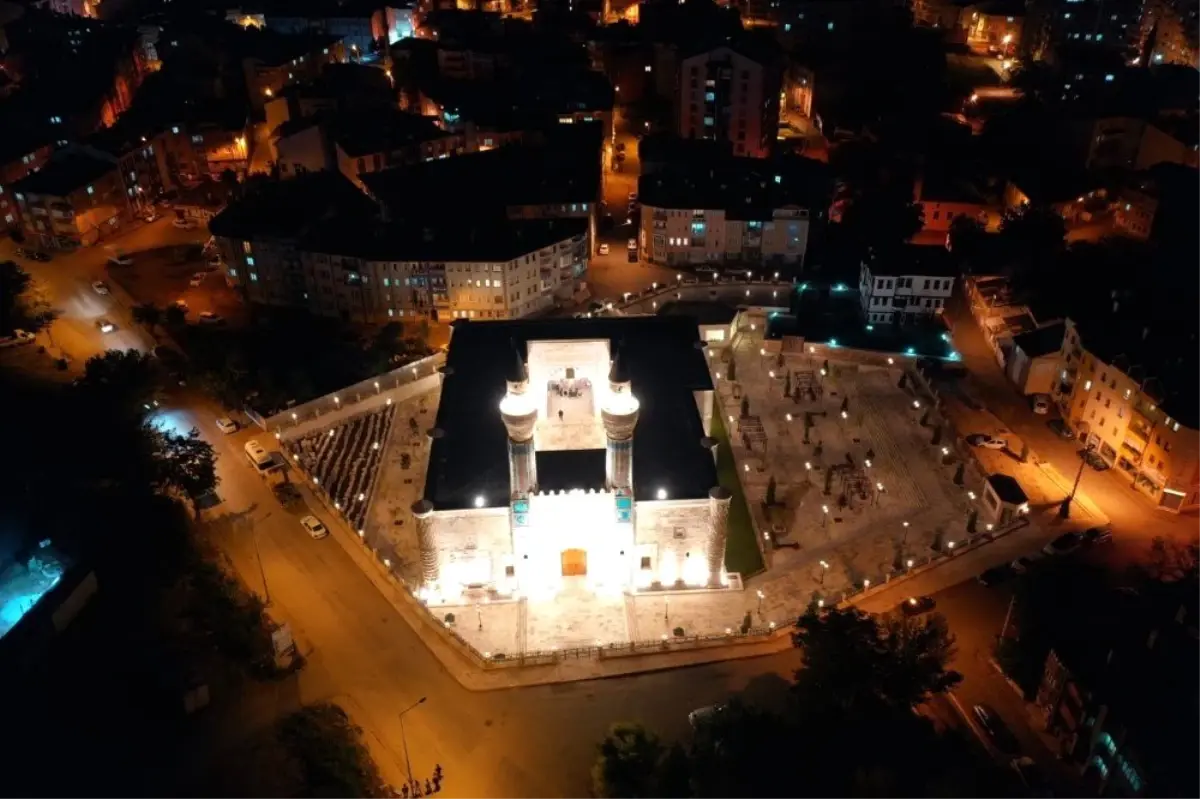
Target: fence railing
x: 365, y: 391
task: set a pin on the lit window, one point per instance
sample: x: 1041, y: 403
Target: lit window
x: 648, y: 68
x: 232, y: 272
x: 91, y: 190
x: 254, y: 277
x: 710, y: 96
x: 779, y: 178
x: 829, y: 27
x: 246, y: 247
x: 175, y: 130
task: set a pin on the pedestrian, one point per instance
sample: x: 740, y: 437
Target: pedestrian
x: 560, y: 416
x: 404, y: 791
x: 428, y: 788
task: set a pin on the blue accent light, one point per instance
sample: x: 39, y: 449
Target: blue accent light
x: 910, y: 351
x: 870, y: 328
x: 833, y: 342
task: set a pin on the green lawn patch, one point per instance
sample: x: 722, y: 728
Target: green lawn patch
x: 742, y: 554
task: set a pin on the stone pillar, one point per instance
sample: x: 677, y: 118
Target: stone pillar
x: 719, y: 500
x: 522, y: 467
x: 618, y: 458
x: 710, y: 444
x: 422, y: 512
x: 520, y: 416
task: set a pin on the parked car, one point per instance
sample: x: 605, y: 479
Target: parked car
x: 105, y: 326
x: 1022, y: 564
x: 314, y: 527
x: 997, y: 575
x: 100, y: 287
x: 183, y: 224
x: 1041, y: 404
x: 706, y: 269
x: 916, y: 605
x: 17, y: 338
x: 1064, y: 544
x: 996, y: 730
x: 286, y: 493
x: 150, y: 216
x: 604, y: 249
x: 1061, y: 428
x: 986, y: 441
x: 181, y: 304
x: 1093, y: 459
x: 120, y: 259
x: 1032, y: 776
x: 227, y: 425
x: 703, y: 714
x: 197, y: 279
x: 1097, y: 535
x: 210, y: 318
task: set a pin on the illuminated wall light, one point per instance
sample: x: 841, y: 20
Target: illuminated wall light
x: 479, y: 501
x: 661, y: 493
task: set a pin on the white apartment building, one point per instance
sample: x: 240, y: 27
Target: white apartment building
x: 696, y: 236
x: 384, y: 281
x: 915, y: 281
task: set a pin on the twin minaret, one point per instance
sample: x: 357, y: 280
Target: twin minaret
x: 618, y: 411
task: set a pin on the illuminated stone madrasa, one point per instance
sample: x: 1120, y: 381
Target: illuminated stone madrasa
x: 572, y: 454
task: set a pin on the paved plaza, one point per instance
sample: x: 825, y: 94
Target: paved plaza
x: 859, y: 493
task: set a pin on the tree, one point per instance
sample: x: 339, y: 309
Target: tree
x: 328, y: 749
x: 174, y: 317
x: 627, y: 763
x: 124, y: 380
x: 966, y: 239
x: 853, y: 661
x: 185, y: 463
x: 883, y: 219
x: 24, y: 301
x: 1030, y: 235
x: 147, y: 314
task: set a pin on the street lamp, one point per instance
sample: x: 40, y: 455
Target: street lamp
x: 404, y: 740
x: 1064, y: 510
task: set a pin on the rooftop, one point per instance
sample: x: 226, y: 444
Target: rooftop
x: 379, y: 130
x: 1042, y: 341
x: 1007, y: 489
x: 563, y: 169
x: 914, y: 259
x: 65, y: 173
x: 290, y: 208
x: 745, y: 188
x: 665, y: 367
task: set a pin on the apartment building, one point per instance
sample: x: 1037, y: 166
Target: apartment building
x: 273, y: 61
x: 76, y: 199
x: 734, y: 211
x: 910, y: 283
x: 1131, y: 395
x: 315, y: 242
x: 731, y: 93
x: 1169, y: 32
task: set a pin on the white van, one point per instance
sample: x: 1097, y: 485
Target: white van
x: 260, y: 459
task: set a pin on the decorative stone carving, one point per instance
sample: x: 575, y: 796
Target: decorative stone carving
x: 719, y: 500
x: 422, y: 511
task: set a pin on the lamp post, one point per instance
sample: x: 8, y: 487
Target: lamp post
x: 1064, y: 510
x: 404, y: 740
x: 760, y: 601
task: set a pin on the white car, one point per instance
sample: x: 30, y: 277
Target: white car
x: 227, y: 425
x: 702, y: 714
x: 184, y: 224
x: 105, y: 326
x: 604, y: 249
x: 210, y: 318
x: 100, y: 287
x: 986, y: 441
x: 120, y: 259
x: 1041, y: 404
x: 315, y: 528
x: 197, y: 279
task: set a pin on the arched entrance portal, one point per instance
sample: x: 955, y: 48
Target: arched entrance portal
x: 574, y: 562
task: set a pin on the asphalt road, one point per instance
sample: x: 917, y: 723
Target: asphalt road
x: 529, y: 742
x: 1135, y: 520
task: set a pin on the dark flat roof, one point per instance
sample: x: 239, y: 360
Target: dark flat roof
x: 922, y: 260
x: 285, y: 208
x: 64, y: 174
x: 569, y: 469
x: 702, y: 311
x: 665, y: 367
x: 1042, y: 341
x: 1007, y: 489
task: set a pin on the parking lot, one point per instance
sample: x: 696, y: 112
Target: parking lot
x: 163, y: 276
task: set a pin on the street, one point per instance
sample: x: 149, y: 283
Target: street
x: 535, y: 741
x: 1134, y: 519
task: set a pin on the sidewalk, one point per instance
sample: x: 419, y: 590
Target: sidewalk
x: 474, y: 677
